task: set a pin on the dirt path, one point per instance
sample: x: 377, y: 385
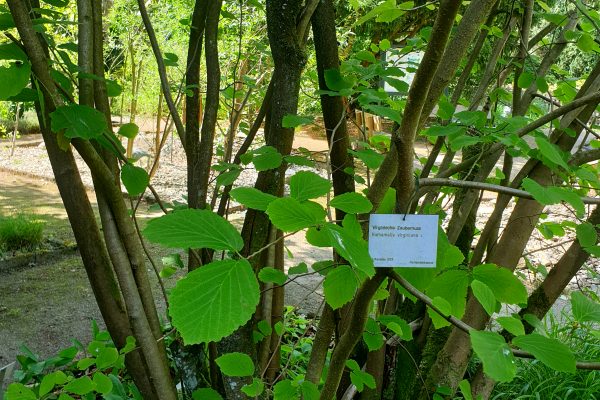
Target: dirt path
x: 48, y: 303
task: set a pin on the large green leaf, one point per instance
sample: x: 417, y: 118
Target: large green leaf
x: 194, y: 229
x: 10, y: 51
x: 252, y: 198
x: 266, y: 158
x: 206, y: 394
x: 306, y: 185
x: 498, y: 360
x: 352, y: 203
x: 129, y: 130
x: 506, y: 286
x: 135, y: 179
x: 340, y: 286
x: 484, y: 295
x: 351, y: 249
x: 584, y: 309
x: 451, y: 286
x: 18, y: 391
x: 512, y: 325
x: 549, y: 351
x: 78, y: 121
x: 446, y: 130
x: 14, y: 78
x: 586, y: 234
x: 235, y: 364
x: 553, y: 195
x: 293, y: 121
x: 448, y: 256
x: 214, y: 300
x: 335, y: 80
x: 369, y: 157
x: 272, y: 275
x: 550, y: 151
x: 290, y: 215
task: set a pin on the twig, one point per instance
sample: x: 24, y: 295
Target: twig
x: 489, y: 187
x: 467, y: 328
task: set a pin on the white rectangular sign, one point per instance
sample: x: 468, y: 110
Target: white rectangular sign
x: 398, y: 240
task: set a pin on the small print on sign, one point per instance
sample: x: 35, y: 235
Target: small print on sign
x: 398, y: 240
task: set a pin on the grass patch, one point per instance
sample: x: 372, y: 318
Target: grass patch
x: 20, y: 231
x: 536, y: 381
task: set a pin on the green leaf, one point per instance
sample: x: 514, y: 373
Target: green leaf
x: 309, y: 390
x: 299, y: 160
x: 584, y: 309
x: 102, y: 383
x: 465, y: 389
x: 386, y: 7
x: 301, y: 268
x: 498, y: 360
x: 586, y: 234
x: 18, y: 391
x: 194, y: 229
x: 306, y: 185
x: 10, y: 51
x: 252, y: 198
x: 549, y: 351
x: 386, y: 112
x: 129, y: 130
x: 236, y: 364
x: 553, y: 195
x: 351, y: 203
x: 318, y: 237
x: 448, y: 130
x: 335, y: 80
x: 512, y: 325
x: 541, y: 84
x: 359, y: 378
x: 340, y: 286
x: 254, y: 389
x: 293, y: 121
x: 452, y: 286
x: 51, y: 380
x: 78, y: 121
x: 586, y: 43
x: 214, y: 300
x: 525, y: 79
x: 80, y: 386
x: 372, y: 335
x: 228, y: 177
x: 107, y: 358
x: 484, y: 295
x: 351, y: 249
x: 365, y: 55
x: 290, y: 215
x: 397, y: 325
x: 14, y: 78
x: 266, y: 158
x: 135, y: 179
x: 272, y: 275
x: 445, y: 108
x: 369, y: 157
x: 57, y: 3
x: 472, y: 118
x: 506, y: 286
x: 550, y: 152
x: 206, y: 394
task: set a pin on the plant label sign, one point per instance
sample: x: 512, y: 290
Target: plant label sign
x: 398, y: 240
